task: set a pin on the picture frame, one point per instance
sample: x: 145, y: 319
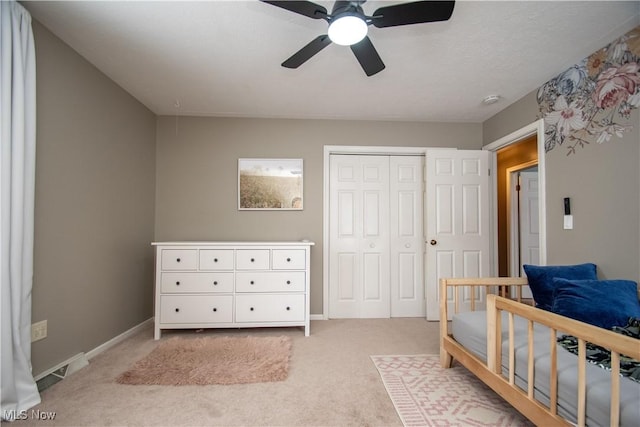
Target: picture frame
x: 270, y: 184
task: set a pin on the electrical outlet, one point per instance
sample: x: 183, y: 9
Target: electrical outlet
x: 39, y: 331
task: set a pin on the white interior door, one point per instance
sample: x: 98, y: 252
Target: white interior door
x: 529, y: 219
x: 529, y: 231
x: 458, y: 223
x: 407, y: 236
x: 359, y: 237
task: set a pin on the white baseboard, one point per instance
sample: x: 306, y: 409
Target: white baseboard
x: 316, y: 317
x: 81, y: 360
x: 118, y: 339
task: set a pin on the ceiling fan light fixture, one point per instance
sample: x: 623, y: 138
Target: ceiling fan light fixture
x: 347, y: 29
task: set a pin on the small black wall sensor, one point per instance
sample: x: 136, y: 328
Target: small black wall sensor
x: 567, y: 206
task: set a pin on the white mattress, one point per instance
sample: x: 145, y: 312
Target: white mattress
x: 469, y: 329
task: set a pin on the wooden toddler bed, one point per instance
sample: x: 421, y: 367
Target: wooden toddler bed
x: 512, y: 347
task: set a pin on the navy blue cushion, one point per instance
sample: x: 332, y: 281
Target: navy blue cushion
x: 603, y: 303
x: 540, y: 279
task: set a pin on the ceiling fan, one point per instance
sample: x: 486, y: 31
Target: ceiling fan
x: 348, y: 26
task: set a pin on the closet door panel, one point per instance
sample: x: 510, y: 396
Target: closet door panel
x: 407, y: 236
x: 359, y: 237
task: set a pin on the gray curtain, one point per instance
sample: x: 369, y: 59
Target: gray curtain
x: 17, y: 186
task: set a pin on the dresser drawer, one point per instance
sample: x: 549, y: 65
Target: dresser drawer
x: 196, y: 309
x: 196, y: 282
x: 216, y: 259
x: 252, y: 259
x: 288, y: 259
x: 270, y: 281
x: 179, y: 259
x: 270, y: 308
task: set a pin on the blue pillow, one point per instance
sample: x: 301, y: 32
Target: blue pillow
x: 541, y: 279
x: 603, y: 303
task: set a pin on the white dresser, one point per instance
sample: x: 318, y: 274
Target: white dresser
x: 231, y: 285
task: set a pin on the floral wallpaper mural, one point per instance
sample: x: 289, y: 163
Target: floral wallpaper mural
x: 592, y: 101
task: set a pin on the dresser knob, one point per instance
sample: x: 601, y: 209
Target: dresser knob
x: 288, y: 259
x: 251, y: 309
x: 177, y: 310
x: 215, y: 260
x: 215, y: 283
x: 177, y: 259
x: 251, y: 282
x: 252, y: 259
x: 288, y: 282
x: 215, y: 309
x: 288, y: 308
x: 177, y: 283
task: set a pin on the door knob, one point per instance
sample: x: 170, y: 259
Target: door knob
x: 433, y: 242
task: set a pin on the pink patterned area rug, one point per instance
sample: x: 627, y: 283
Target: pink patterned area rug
x: 424, y: 394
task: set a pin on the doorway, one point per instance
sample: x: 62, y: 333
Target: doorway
x: 513, y: 153
x: 511, y: 161
x: 330, y: 150
x: 523, y: 218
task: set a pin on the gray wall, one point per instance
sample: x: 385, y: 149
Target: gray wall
x: 602, y: 182
x: 94, y: 205
x: 516, y: 116
x: 196, y: 173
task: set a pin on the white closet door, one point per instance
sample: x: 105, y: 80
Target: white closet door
x: 458, y: 226
x: 359, y: 237
x: 407, y: 236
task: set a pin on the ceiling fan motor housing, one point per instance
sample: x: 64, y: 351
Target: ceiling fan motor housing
x: 346, y: 7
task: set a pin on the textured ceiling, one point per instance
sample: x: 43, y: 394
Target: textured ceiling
x: 215, y: 58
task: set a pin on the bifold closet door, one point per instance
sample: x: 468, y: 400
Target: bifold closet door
x: 376, y: 236
x: 359, y: 271
x: 407, y: 235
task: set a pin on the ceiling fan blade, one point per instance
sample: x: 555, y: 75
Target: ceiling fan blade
x: 304, y: 54
x: 305, y: 8
x: 367, y: 56
x: 416, y: 12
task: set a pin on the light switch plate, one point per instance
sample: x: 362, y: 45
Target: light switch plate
x: 568, y: 222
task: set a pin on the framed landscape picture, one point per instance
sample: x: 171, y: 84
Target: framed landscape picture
x: 270, y: 184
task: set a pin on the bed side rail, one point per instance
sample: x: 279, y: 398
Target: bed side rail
x: 618, y: 344
x: 490, y: 285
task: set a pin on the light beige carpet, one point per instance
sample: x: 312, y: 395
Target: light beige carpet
x: 424, y: 394
x: 212, y: 360
x: 331, y: 382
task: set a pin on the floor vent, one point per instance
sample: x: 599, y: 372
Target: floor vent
x: 61, y: 371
